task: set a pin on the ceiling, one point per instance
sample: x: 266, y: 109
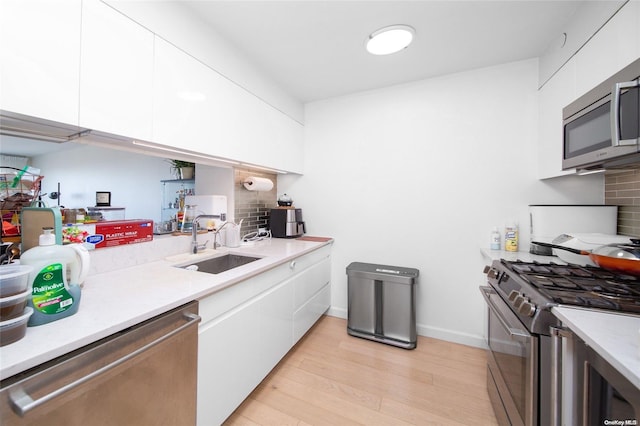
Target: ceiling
x: 315, y: 49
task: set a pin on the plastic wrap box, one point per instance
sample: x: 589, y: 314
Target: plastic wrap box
x: 109, y: 233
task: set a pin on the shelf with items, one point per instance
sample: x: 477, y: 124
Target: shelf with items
x: 18, y: 188
x: 173, y: 193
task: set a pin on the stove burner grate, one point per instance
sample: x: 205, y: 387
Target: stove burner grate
x: 580, y: 285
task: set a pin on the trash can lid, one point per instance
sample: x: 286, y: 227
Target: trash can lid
x: 384, y: 270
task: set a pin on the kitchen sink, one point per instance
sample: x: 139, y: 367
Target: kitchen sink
x: 219, y: 264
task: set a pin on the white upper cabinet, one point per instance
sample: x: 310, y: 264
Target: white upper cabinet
x: 116, y: 73
x: 195, y: 108
x: 612, y: 48
x: 609, y: 50
x: 188, y: 102
x: 40, y: 58
x: 555, y: 95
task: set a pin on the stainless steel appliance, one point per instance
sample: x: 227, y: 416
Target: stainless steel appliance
x: 598, y: 394
x: 520, y: 296
x: 602, y: 127
x: 145, y: 375
x: 286, y: 222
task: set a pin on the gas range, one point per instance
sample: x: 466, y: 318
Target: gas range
x: 532, y: 289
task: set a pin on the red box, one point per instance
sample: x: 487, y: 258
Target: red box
x: 120, y: 232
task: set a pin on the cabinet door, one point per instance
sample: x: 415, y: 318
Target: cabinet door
x: 116, y: 73
x: 186, y: 106
x: 227, y: 350
x: 554, y: 95
x: 40, y: 58
x: 196, y: 108
x: 276, y: 328
x: 237, y: 350
x: 609, y: 50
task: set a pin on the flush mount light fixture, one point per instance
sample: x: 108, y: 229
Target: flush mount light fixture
x: 390, y: 39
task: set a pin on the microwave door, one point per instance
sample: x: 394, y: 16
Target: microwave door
x: 625, y: 113
x: 587, y: 137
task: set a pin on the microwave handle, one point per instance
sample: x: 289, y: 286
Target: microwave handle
x: 615, y: 113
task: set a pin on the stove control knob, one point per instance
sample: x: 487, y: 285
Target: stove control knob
x: 513, y: 295
x: 527, y: 308
x: 518, y: 301
x: 491, y: 273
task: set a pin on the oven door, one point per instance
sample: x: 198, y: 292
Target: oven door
x: 512, y: 364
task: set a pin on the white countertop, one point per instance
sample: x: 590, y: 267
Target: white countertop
x: 613, y: 336
x: 523, y: 256
x: 114, y: 299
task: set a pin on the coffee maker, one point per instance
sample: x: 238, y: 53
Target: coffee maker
x: 286, y: 222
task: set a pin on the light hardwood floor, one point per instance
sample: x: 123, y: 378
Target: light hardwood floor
x: 331, y: 378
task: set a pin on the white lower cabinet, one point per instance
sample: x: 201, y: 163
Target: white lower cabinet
x: 312, y: 296
x: 249, y: 327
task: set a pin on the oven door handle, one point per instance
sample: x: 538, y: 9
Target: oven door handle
x: 514, y: 333
x: 557, y: 336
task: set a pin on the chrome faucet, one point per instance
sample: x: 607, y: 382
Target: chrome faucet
x: 194, y: 231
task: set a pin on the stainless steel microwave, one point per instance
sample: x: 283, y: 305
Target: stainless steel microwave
x: 601, y: 129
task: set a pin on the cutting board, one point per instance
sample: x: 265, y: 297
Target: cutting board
x: 33, y: 219
x: 315, y: 239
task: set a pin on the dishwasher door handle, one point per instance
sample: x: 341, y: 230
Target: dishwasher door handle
x: 21, y: 402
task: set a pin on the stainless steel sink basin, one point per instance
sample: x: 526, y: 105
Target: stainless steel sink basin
x: 220, y: 264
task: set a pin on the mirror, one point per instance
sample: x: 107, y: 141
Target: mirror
x: 134, y: 179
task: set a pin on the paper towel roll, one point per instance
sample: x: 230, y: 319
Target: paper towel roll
x: 253, y: 183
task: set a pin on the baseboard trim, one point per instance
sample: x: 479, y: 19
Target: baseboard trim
x: 429, y: 331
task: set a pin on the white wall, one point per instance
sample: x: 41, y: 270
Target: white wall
x: 417, y: 175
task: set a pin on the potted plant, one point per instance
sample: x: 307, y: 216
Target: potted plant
x: 182, y: 169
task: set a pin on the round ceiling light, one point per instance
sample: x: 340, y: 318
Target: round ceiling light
x: 390, y: 39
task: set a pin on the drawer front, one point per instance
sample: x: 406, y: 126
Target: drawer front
x: 309, y: 259
x: 223, y: 301
x: 310, y: 281
x: 310, y: 312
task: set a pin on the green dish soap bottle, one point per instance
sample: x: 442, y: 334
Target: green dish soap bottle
x: 55, y: 280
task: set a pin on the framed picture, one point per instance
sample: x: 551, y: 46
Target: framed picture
x: 103, y: 199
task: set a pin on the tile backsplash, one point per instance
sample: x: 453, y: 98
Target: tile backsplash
x: 622, y: 189
x: 253, y: 206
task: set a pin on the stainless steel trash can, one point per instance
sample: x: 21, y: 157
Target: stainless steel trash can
x: 381, y: 303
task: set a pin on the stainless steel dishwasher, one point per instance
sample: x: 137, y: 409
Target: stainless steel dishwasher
x: 144, y: 375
